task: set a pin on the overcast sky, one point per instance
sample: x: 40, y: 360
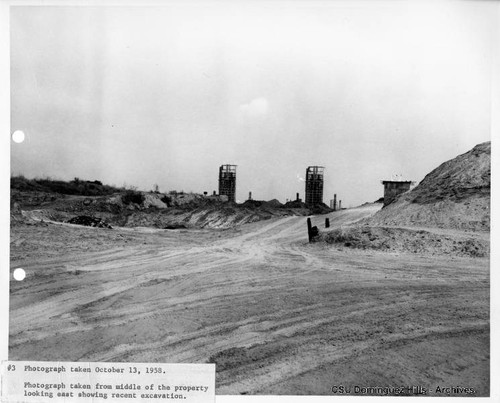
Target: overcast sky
x: 164, y: 95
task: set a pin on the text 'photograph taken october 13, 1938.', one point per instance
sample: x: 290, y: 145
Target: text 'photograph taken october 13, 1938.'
x: 297, y: 192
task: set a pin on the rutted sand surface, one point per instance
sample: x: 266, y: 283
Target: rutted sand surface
x: 277, y: 315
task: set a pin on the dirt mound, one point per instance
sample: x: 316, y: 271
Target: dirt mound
x: 447, y: 213
x: 32, y: 198
x: 274, y: 203
x: 132, y: 208
x: 295, y: 204
x: 271, y: 204
x: 454, y: 195
x: 253, y: 203
x: 321, y: 208
x: 89, y: 221
x: 17, y: 217
x: 218, y: 216
x: 409, y: 241
x: 468, y: 175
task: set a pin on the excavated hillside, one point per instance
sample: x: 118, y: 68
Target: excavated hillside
x: 146, y: 209
x: 447, y: 213
x: 455, y: 195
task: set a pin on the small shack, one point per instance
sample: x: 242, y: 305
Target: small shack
x: 394, y: 188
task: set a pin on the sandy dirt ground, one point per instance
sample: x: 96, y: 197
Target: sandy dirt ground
x: 276, y: 314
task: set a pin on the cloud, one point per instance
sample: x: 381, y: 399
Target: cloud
x: 255, y: 108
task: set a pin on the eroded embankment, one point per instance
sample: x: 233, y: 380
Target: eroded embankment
x: 146, y: 209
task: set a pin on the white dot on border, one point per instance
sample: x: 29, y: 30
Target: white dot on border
x: 18, y: 136
x: 19, y: 274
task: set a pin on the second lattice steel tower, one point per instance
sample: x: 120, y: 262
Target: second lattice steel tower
x: 227, y: 181
x: 314, y: 185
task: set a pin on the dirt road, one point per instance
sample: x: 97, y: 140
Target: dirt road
x: 277, y: 315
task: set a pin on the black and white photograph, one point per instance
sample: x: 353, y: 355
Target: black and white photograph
x: 298, y: 192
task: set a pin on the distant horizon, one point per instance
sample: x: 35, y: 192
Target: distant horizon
x: 165, y: 95
x: 126, y: 186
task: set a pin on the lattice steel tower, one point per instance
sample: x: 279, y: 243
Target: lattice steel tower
x: 314, y: 185
x: 227, y: 181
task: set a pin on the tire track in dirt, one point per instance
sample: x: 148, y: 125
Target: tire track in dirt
x: 260, y: 301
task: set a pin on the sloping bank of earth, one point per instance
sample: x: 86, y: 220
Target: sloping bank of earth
x: 447, y: 213
x: 146, y: 209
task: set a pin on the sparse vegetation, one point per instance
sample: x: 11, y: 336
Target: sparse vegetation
x: 132, y: 196
x: 167, y: 200
x: 74, y: 187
